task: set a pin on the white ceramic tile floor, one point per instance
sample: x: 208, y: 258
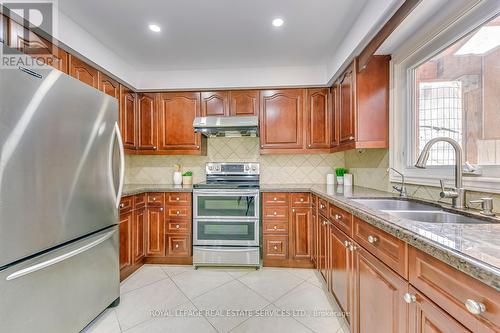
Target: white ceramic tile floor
x: 169, y: 298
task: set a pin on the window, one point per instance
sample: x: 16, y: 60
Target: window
x: 457, y: 95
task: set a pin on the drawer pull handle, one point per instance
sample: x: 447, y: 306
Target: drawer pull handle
x: 409, y: 298
x: 177, y: 212
x: 475, y: 307
x: 275, y: 227
x: 122, y: 205
x: 275, y: 213
x: 301, y: 199
x: 177, y: 198
x: 338, y: 217
x: 275, y: 247
x: 177, y: 226
x: 351, y: 138
x: 176, y: 246
x: 275, y: 199
x: 161, y: 209
x: 372, y: 239
x: 154, y: 199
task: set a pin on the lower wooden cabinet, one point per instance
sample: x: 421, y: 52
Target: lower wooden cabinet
x: 379, y: 305
x: 426, y: 317
x: 138, y: 235
x: 301, y: 231
x: 178, y: 245
x: 155, y: 244
x: 275, y: 247
x: 125, y: 227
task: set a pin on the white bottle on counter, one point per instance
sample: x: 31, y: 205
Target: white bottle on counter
x: 177, y: 178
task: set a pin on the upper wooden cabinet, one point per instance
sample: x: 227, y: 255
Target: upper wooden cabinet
x: 108, y: 86
x: 361, y: 104
x: 281, y: 120
x: 214, y: 103
x: 30, y: 43
x: 318, y: 118
x: 346, y: 106
x: 128, y: 118
x: 244, y: 103
x: 176, y: 114
x: 147, y: 122
x: 83, y: 72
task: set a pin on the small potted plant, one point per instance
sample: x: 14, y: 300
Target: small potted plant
x: 187, y: 178
x: 340, y: 172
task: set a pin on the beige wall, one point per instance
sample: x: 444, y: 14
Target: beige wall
x: 369, y: 167
x: 300, y: 168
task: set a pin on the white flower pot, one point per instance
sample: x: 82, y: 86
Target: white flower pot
x: 340, y: 180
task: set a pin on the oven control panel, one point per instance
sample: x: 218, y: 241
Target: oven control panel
x: 225, y: 168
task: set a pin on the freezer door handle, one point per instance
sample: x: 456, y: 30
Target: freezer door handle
x: 118, y: 136
x: 53, y: 261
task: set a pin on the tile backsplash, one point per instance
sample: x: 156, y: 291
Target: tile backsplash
x: 293, y: 168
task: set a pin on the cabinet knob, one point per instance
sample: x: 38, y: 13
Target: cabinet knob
x: 122, y: 205
x: 325, y: 222
x: 275, y: 213
x: 154, y: 199
x: 161, y: 209
x: 293, y: 210
x: 177, y: 199
x: 409, y: 298
x: 309, y: 145
x: 261, y: 146
x: 347, y: 243
x: 338, y: 217
x: 352, y: 247
x: 372, y: 239
x: 351, y: 138
x: 177, y: 226
x: 301, y: 199
x: 275, y: 199
x: 177, y: 212
x: 197, y: 147
x: 154, y: 148
x: 475, y: 307
x: 275, y: 247
x: 275, y: 227
x: 321, y: 206
x: 176, y: 246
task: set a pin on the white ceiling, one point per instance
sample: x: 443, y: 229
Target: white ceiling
x: 216, y: 34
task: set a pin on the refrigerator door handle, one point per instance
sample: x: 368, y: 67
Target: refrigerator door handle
x: 65, y: 256
x: 118, y: 135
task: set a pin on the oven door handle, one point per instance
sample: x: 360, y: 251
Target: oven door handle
x: 226, y: 249
x: 219, y: 193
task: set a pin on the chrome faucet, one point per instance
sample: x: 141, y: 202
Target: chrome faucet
x: 457, y: 194
x: 402, y: 189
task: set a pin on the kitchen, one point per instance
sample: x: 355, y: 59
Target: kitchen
x: 322, y: 167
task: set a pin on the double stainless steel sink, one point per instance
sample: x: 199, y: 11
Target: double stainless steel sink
x: 420, y: 212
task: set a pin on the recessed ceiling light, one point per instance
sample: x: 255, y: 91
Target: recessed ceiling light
x: 278, y: 22
x: 154, y: 28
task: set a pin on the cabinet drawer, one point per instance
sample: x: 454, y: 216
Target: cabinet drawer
x: 179, y: 227
x: 452, y: 290
x: 155, y: 199
x: 323, y: 207
x: 280, y: 213
x: 387, y: 248
x: 140, y: 201
x: 275, y: 199
x: 178, y: 212
x: 341, y: 218
x: 275, y: 227
x: 178, y: 198
x: 178, y: 245
x: 126, y: 204
x: 300, y: 199
x: 276, y: 247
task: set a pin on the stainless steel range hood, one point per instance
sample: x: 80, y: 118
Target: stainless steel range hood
x: 214, y: 126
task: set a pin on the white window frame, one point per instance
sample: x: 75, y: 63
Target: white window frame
x: 402, y: 122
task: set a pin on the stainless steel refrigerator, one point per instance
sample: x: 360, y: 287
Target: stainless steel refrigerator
x: 61, y: 174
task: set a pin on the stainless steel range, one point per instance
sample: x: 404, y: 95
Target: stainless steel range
x: 226, y: 216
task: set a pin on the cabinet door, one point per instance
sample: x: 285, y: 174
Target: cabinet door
x: 379, y: 306
x: 322, y: 245
x: 108, y: 86
x: 83, y: 72
x: 125, y: 227
x: 177, y: 112
x: 281, y: 119
x: 155, y: 232
x: 128, y: 117
x: 318, y: 118
x: 340, y: 268
x: 426, y: 317
x: 214, y: 103
x: 179, y: 245
x: 30, y: 43
x: 138, y: 234
x: 347, y: 106
x: 301, y: 233
x: 314, y: 232
x: 334, y: 116
x: 244, y: 103
x: 147, y: 122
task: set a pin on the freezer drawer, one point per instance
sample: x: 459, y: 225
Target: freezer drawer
x: 63, y: 290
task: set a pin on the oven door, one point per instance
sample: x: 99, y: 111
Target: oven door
x: 226, y: 232
x: 226, y: 204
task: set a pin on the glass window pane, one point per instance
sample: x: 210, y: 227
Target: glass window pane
x: 458, y: 96
x: 208, y: 230
x: 238, y: 206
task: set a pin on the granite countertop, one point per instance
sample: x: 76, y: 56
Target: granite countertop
x: 471, y: 248
x: 132, y: 189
